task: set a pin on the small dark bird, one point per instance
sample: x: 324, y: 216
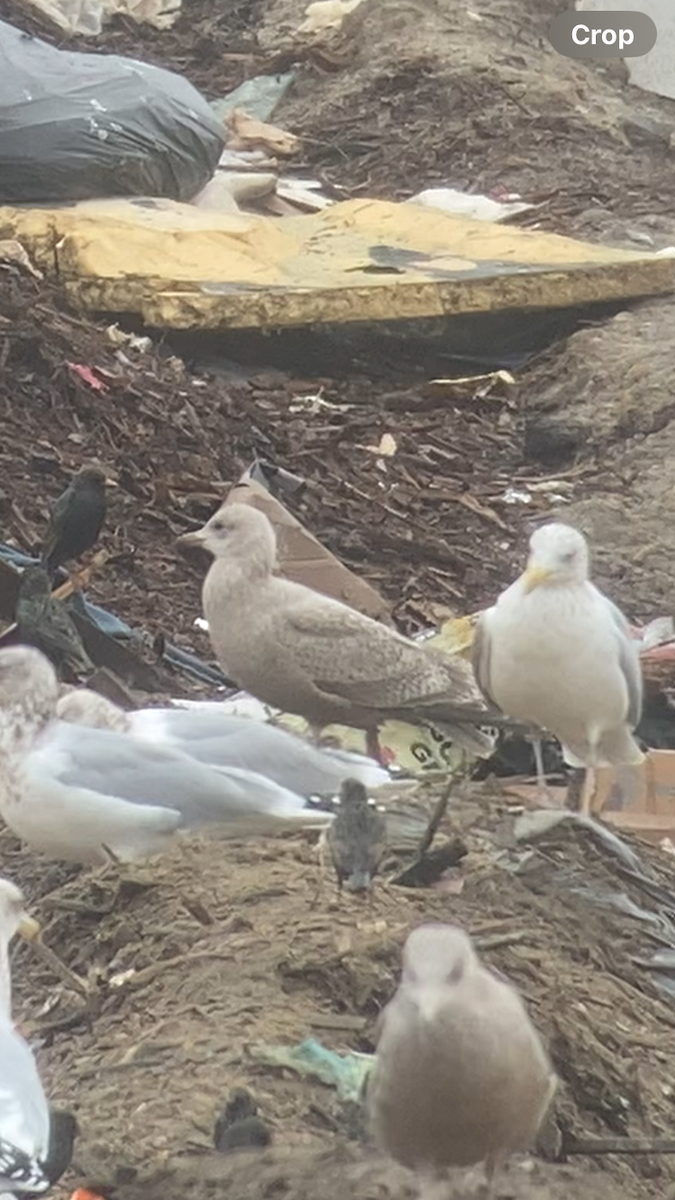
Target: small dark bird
x: 46, y: 624
x: 357, y: 838
x: 76, y: 519
x: 239, y: 1127
x: 63, y: 1130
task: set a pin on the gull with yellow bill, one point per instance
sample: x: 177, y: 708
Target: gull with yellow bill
x: 558, y: 654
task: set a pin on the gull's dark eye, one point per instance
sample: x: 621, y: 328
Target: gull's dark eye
x: 218, y: 526
x: 569, y: 556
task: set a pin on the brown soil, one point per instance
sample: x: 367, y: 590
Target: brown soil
x: 193, y: 961
x: 175, y: 443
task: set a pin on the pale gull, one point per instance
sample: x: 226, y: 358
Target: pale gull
x: 555, y: 652
x: 24, y: 1113
x: 220, y: 740
x: 86, y: 795
x: 460, y: 1075
x: 305, y: 653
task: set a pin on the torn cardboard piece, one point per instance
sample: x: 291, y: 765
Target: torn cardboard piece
x: 304, y: 560
x: 642, y: 803
x: 646, y: 790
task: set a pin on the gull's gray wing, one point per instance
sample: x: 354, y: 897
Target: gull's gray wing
x: 629, y: 662
x: 353, y: 658
x: 185, y: 724
x: 480, y: 656
x: 287, y: 760
x: 117, y: 764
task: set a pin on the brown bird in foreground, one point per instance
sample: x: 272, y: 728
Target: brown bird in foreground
x: 45, y: 623
x: 460, y: 1076
x: 357, y: 839
x: 76, y: 518
x: 305, y: 653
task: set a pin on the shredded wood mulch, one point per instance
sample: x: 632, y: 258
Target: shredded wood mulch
x: 409, y: 485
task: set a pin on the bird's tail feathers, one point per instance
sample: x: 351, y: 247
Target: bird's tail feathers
x: 614, y: 748
x: 358, y: 881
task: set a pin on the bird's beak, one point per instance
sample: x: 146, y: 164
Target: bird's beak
x: 196, y: 537
x: 533, y: 577
x: 429, y: 1003
x: 28, y: 928
x: 111, y: 483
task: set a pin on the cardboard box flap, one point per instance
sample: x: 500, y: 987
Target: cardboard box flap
x: 303, y: 559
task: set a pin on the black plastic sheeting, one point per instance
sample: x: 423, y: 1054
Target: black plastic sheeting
x: 82, y: 126
x: 108, y: 623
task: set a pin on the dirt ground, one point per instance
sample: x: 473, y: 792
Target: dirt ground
x: 193, y: 961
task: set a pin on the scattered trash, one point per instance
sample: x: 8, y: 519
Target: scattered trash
x: 345, y: 1072
x: 130, y: 341
x: 228, y: 190
x: 124, y: 128
x: 258, y: 96
x: 250, y: 133
x: 513, y: 495
x: 108, y: 641
x: 88, y: 17
x: 658, y: 632
x: 386, y: 447
x: 12, y: 251
x: 88, y: 375
x: 645, y: 804
x: 305, y: 194
x: 479, y: 208
x: 322, y: 15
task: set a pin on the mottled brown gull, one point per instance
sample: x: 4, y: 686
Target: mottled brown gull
x: 555, y: 652
x: 305, y: 653
x: 460, y: 1075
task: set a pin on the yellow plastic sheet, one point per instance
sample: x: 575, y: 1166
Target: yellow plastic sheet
x: 362, y: 260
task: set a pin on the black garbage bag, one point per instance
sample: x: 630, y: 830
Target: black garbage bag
x: 81, y: 126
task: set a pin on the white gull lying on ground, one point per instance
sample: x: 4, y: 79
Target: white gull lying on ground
x: 211, y: 736
x: 82, y: 795
x: 24, y: 1113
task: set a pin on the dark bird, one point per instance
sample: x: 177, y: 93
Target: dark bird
x: 45, y: 623
x: 357, y: 839
x: 239, y: 1127
x: 76, y: 519
x: 63, y: 1130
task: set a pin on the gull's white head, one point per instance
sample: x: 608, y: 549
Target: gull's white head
x: 558, y: 555
x: 239, y: 534
x: 80, y: 706
x: 29, y: 691
x: 438, y: 956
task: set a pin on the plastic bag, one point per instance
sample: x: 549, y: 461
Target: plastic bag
x: 82, y: 126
